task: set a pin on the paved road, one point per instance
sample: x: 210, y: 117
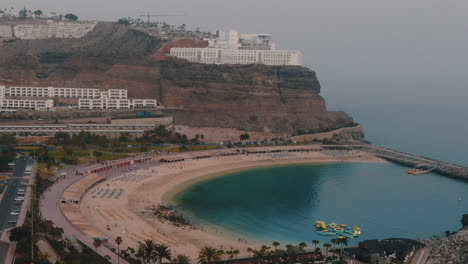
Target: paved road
x: 8, y: 202
x: 420, y: 257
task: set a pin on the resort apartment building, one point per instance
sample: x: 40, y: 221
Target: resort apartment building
x: 110, y: 130
x: 235, y: 48
x: 88, y: 98
x: 6, y: 31
x: 60, y: 92
x: 75, y: 93
x: 105, y: 103
x: 53, y: 29
x: 142, y: 103
x: 26, y: 104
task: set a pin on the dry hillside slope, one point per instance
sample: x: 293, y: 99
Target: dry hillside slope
x: 279, y: 99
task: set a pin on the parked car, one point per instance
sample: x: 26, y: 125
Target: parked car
x: 19, y: 202
x: 24, y: 183
x: 14, y: 213
x: 12, y: 222
x: 21, y: 190
x: 19, y: 199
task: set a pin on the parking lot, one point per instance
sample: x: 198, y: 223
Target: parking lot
x: 10, y: 205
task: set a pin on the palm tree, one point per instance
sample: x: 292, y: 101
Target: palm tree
x: 181, y: 259
x: 302, y: 246
x: 118, y: 241
x: 335, y: 241
x: 230, y: 253
x: 327, y: 246
x: 249, y: 250
x: 276, y: 244
x: 209, y: 255
x: 146, y: 251
x: 292, y: 252
x: 162, y: 252
x: 235, y: 252
x: 315, y: 242
x: 97, y: 243
x: 37, y: 13
x: 344, y: 242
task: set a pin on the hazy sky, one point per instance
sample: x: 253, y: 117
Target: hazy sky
x: 364, y: 51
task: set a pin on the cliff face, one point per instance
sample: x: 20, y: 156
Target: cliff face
x: 279, y: 99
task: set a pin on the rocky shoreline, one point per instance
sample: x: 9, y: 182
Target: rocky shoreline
x: 451, y: 249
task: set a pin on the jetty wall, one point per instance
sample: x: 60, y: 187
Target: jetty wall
x: 440, y: 167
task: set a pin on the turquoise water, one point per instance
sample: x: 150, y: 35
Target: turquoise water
x: 282, y: 203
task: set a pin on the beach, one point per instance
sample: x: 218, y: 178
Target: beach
x: 121, y: 214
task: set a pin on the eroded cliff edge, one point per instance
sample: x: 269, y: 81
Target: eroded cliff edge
x: 277, y: 99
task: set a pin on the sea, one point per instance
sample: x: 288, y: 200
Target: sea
x: 282, y: 203
x: 401, y: 73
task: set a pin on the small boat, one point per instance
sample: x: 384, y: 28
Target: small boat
x: 417, y: 171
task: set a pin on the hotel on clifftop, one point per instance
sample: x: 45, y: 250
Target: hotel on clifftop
x: 234, y: 48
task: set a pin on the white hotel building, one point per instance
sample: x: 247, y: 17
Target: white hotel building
x: 53, y: 29
x: 88, y: 98
x: 235, y: 48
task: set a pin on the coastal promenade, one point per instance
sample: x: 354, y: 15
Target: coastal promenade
x: 51, y: 199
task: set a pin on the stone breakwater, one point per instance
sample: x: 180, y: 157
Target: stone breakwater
x: 440, y: 167
x: 449, y: 249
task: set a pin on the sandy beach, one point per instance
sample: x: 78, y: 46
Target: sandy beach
x: 115, y: 205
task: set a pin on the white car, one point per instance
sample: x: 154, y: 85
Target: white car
x: 11, y: 164
x: 20, y: 193
x: 21, y: 190
x: 14, y: 213
x: 24, y: 183
x: 19, y: 199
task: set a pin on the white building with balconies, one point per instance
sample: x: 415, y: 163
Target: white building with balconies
x: 235, y: 48
x: 88, y: 98
x: 53, y: 29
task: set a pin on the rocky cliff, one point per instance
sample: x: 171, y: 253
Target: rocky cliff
x: 278, y: 99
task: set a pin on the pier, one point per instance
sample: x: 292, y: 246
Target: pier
x: 440, y: 167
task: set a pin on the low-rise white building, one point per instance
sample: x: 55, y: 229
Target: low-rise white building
x: 117, y: 103
x: 106, y: 103
x: 117, y: 93
x: 88, y: 98
x: 29, y: 91
x: 59, y: 92
x: 26, y: 104
x: 6, y: 31
x: 75, y: 92
x: 53, y: 29
x: 142, y: 103
x: 91, y: 103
